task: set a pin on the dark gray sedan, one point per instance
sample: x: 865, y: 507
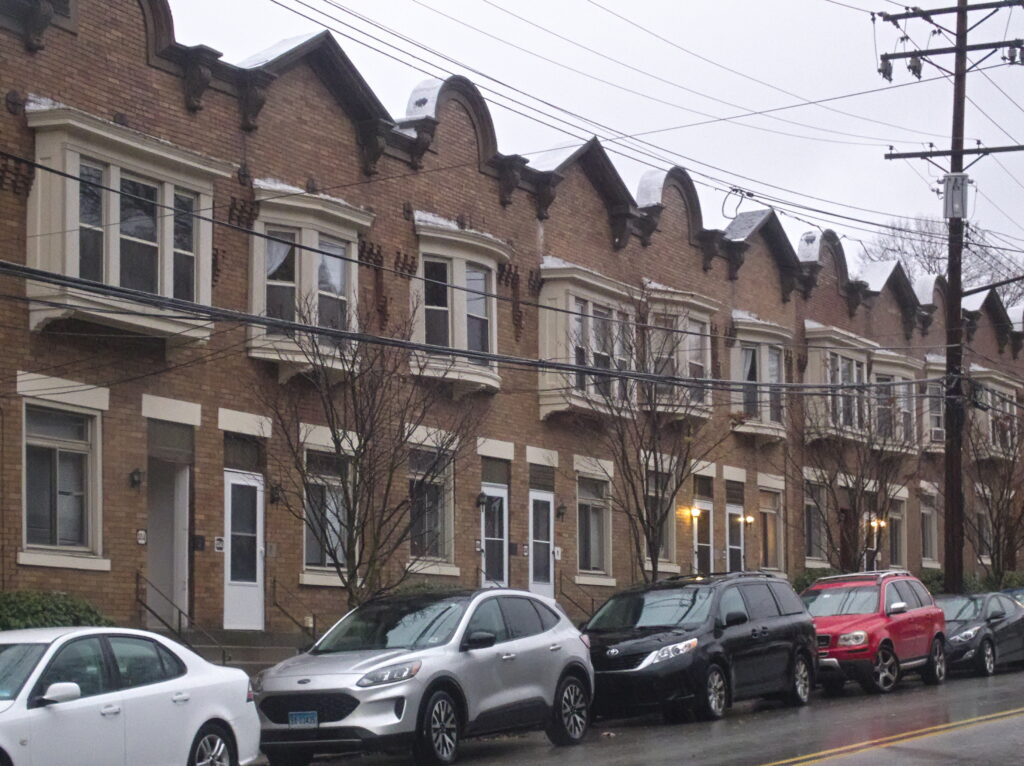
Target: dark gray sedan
x: 983, y: 630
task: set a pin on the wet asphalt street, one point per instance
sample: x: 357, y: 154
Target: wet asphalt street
x: 967, y: 720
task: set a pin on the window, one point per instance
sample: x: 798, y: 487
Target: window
x: 140, y: 661
x: 79, y: 662
x: 896, y: 537
x: 429, y: 496
x: 936, y: 413
x: 1001, y: 423
x: 281, y: 273
x: 601, y: 338
x: 929, y: 528
x: 521, y: 617
x: 789, y: 602
x: 478, y: 322
x: 488, y: 619
x: 580, y: 341
x: 907, y: 594
x: 603, y: 350
x: 184, y: 267
x: 59, y: 467
x: 892, y: 596
x: 736, y: 525
x: 885, y: 407
x: 90, y: 223
x: 751, y: 405
x: 437, y: 302
x: 548, y: 618
x: 923, y: 596
x: 659, y: 511
x: 327, y: 518
x: 332, y: 285
x: 769, y: 505
x: 760, y: 601
x: 731, y: 602
x: 593, y: 524
x: 703, y: 500
x: 775, y: 391
x: 847, y: 408
x: 761, y: 364
x: 698, y: 351
x: 814, y: 521
x: 664, y: 352
x: 984, y: 534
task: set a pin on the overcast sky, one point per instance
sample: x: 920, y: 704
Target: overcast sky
x: 813, y: 49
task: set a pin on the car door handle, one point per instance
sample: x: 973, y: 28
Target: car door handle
x: 554, y: 647
x: 108, y: 710
x: 509, y: 656
x: 181, y: 697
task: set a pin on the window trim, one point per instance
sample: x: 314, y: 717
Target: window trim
x: 326, y: 481
x: 606, y: 522
x: 422, y: 564
x: 779, y: 513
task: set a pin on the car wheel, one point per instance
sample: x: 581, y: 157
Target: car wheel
x: 934, y: 672
x: 437, y: 741
x: 212, y: 746
x: 800, y: 684
x: 571, y: 714
x: 715, y: 698
x: 833, y: 687
x: 885, y: 672
x: 985, y: 660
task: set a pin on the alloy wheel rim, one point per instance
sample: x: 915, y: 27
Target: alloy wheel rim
x: 802, y: 679
x: 990, y: 658
x: 716, y: 692
x: 939, y: 660
x: 574, y: 710
x: 213, y: 751
x: 443, y: 729
x: 886, y: 669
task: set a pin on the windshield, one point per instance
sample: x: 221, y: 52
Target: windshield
x: 395, y: 623
x: 828, y: 602
x: 16, y: 663
x: 668, y: 608
x: 960, y: 607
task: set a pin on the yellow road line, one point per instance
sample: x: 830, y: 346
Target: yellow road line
x: 893, y: 739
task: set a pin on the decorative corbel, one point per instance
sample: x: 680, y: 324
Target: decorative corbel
x: 518, y: 315
x: 372, y: 142
x: 425, y: 128
x: 510, y: 173
x: 789, y: 278
x: 545, y: 193
x: 252, y: 95
x: 734, y: 255
x: 534, y: 282
x: 971, y: 324
x: 37, y: 20
x: 196, y: 73
x: 372, y: 255
x: 809, y: 278
x: 243, y: 212
x: 647, y: 223
x: 925, y: 315
x: 1002, y: 336
x: 730, y: 335
x: 908, y: 314
x: 620, y: 218
x: 855, y: 293
x: 508, y: 274
x: 405, y: 264
x: 16, y: 175
x: 709, y: 247
x: 1016, y: 343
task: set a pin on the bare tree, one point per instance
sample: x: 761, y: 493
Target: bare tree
x: 994, y: 469
x: 652, y: 433
x: 920, y: 244
x: 860, y: 453
x: 371, y: 480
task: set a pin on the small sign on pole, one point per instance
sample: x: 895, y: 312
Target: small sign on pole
x: 955, y: 195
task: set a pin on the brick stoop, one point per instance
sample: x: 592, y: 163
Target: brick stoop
x: 250, y: 650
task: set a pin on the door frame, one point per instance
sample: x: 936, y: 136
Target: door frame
x: 494, y: 490
x: 232, y: 477
x: 735, y: 510
x: 548, y: 497
x: 707, y: 507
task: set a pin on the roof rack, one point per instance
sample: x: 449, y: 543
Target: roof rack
x: 877, y: 575
x: 730, y: 575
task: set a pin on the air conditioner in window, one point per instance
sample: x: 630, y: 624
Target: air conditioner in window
x: 938, y: 434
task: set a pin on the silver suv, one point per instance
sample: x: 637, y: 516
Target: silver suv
x: 425, y: 670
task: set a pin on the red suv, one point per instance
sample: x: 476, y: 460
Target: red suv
x: 875, y: 626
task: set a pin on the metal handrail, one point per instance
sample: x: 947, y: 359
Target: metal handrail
x: 311, y: 632
x: 141, y: 581
x: 571, y: 600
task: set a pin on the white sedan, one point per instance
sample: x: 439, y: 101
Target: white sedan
x: 118, y: 697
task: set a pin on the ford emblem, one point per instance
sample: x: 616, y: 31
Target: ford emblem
x: 612, y: 652
x: 304, y: 680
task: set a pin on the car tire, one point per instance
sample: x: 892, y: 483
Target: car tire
x: 289, y: 759
x: 437, y: 739
x: 985, y: 660
x: 714, y: 695
x: 833, y: 687
x: 934, y: 672
x: 885, y: 672
x: 800, y: 683
x: 570, y: 715
x: 212, y: 746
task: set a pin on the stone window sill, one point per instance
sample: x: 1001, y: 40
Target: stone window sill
x: 61, y: 560
x: 440, y: 568
x: 600, y: 580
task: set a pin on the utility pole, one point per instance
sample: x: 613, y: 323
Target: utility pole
x: 956, y: 181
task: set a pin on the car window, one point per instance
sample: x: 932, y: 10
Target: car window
x: 173, y: 666
x: 960, y: 607
x: 1009, y: 605
x: 548, y: 618
x: 521, y: 617
x: 922, y: 593
x: 845, y: 599
x: 994, y: 606
x: 17, y: 661
x: 907, y: 594
x: 138, y: 661
x: 892, y: 596
x: 79, y: 662
x: 487, y: 618
x: 760, y: 602
x: 789, y: 602
x: 731, y: 601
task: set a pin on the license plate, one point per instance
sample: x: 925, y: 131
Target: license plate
x: 303, y: 720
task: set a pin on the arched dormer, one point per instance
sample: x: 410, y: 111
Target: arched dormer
x: 429, y: 97
x: 657, y: 190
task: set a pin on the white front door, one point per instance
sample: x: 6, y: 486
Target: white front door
x: 494, y: 535
x: 542, y: 538
x: 243, y: 551
x: 735, y: 530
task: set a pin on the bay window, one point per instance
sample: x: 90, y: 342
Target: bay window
x: 760, y: 374
x: 847, y: 401
x: 478, y: 315
x: 332, y: 279
x: 936, y: 413
x: 437, y: 302
x: 280, y: 276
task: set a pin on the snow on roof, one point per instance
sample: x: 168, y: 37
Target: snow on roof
x: 552, y: 159
x: 650, y: 284
x: 283, y: 188
x: 924, y: 289
x: 745, y: 224
x: 810, y: 324
x: 425, y: 218
x: 808, y: 248
x: 648, y: 191
x: 423, y: 99
x: 935, y: 358
x: 1016, y: 316
x: 748, y: 316
x: 277, y: 49
x: 974, y: 302
x: 36, y: 103
x: 876, y: 273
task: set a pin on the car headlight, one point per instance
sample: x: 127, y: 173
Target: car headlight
x: 857, y: 638
x: 391, y: 674
x: 670, y: 651
x: 966, y: 635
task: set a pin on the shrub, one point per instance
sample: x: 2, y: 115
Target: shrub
x: 808, y: 576
x: 933, y: 579
x: 46, y: 609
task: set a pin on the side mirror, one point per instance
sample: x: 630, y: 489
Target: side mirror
x: 583, y: 625
x: 735, y: 618
x: 479, y: 639
x: 898, y: 608
x: 60, y: 692
x: 998, y: 614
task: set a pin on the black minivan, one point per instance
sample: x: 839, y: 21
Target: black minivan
x: 701, y: 642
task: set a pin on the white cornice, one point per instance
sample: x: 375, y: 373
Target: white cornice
x: 435, y: 232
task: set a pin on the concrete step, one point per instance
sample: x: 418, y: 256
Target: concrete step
x: 250, y: 650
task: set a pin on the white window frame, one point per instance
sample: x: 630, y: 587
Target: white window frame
x: 897, y: 514
x: 67, y: 138
x: 936, y: 404
x: 778, y: 513
x: 447, y: 513
x: 668, y: 540
x: 820, y: 520
x: 929, y: 527
x: 94, y: 484
x: 326, y: 481
x: 764, y: 393
x: 604, y: 513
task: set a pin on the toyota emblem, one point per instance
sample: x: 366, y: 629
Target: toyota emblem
x: 304, y: 680
x: 612, y: 652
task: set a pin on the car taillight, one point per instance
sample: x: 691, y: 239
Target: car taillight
x: 585, y: 639
x: 249, y: 697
